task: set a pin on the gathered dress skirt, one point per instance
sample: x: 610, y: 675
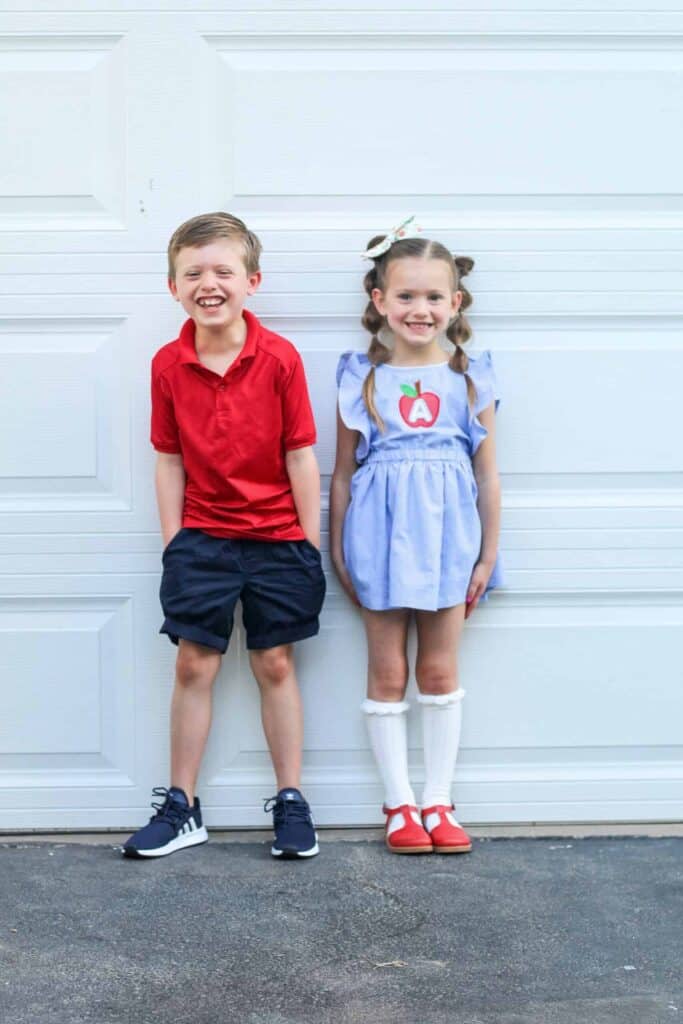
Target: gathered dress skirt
x: 412, y: 533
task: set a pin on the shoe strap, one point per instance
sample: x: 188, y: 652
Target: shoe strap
x: 439, y: 809
x: 401, y: 809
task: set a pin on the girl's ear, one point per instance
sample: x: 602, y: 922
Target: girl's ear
x: 378, y: 298
x: 456, y: 302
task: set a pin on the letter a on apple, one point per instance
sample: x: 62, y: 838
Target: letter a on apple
x: 420, y: 411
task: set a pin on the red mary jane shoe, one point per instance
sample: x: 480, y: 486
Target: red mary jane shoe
x: 404, y: 832
x: 446, y: 834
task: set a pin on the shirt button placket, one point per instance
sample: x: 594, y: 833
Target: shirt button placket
x: 222, y: 400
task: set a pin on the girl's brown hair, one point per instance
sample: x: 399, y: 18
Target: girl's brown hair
x: 459, y: 331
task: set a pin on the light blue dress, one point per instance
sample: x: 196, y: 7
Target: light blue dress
x: 412, y: 533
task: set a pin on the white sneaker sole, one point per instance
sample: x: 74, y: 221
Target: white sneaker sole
x: 179, y: 843
x: 295, y: 854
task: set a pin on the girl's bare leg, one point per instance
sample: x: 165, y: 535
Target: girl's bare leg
x: 387, y: 636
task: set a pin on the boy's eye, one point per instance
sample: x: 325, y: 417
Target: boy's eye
x: 404, y: 295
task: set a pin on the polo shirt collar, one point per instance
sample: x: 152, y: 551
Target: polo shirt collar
x: 188, y: 350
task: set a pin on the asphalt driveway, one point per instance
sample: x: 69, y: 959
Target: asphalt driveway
x: 521, y: 931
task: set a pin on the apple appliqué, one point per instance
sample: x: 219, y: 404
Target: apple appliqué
x: 418, y: 408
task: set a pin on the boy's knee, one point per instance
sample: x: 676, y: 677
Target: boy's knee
x: 195, y: 667
x: 273, y: 666
x: 436, y: 677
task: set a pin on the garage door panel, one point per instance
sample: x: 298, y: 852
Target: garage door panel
x: 69, y: 170
x: 583, y: 671
x: 527, y: 150
x: 70, y: 720
x: 64, y: 400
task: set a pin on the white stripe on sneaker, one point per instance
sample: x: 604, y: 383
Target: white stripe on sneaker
x: 179, y: 843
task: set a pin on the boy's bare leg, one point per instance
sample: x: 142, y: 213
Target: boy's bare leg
x: 196, y: 669
x: 281, y: 711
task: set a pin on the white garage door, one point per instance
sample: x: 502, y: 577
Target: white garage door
x: 541, y: 140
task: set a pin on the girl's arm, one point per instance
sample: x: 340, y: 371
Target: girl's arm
x: 169, y: 479
x: 488, y: 505
x: 304, y: 476
x: 340, y: 494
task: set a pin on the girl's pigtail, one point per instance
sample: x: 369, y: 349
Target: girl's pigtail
x: 377, y: 352
x: 459, y: 331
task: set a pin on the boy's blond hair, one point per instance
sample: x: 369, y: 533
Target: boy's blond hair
x: 207, y: 227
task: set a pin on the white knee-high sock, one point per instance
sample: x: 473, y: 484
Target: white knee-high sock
x: 388, y: 738
x: 441, y: 719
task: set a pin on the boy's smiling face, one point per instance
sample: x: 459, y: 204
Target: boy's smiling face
x: 211, y: 282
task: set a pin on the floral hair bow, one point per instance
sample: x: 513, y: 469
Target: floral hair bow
x: 405, y: 230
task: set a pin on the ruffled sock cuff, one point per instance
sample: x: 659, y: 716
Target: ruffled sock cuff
x: 441, y: 699
x: 384, y: 707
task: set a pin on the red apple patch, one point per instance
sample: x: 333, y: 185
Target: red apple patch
x: 418, y: 408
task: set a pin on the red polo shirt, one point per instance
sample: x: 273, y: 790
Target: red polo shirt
x: 233, y: 432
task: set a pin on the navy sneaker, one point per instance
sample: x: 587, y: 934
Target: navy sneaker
x: 295, y: 835
x: 174, y: 826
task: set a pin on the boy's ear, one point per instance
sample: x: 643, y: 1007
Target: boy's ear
x: 172, y: 288
x: 253, y: 283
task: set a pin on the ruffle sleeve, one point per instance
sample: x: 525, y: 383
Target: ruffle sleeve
x: 483, y: 377
x: 352, y: 370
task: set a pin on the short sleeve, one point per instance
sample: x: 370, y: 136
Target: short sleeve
x: 352, y: 370
x: 482, y: 374
x: 165, y: 436
x: 298, y: 425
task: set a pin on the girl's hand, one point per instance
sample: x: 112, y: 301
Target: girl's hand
x: 345, y: 580
x: 480, y: 577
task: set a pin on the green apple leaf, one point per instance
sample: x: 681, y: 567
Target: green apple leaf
x: 408, y: 390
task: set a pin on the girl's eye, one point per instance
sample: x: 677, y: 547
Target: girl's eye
x: 435, y: 298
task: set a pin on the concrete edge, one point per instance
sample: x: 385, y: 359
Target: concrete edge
x: 640, y: 830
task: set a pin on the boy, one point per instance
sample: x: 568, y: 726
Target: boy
x: 238, y: 491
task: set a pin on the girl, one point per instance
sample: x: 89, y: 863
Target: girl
x: 414, y: 515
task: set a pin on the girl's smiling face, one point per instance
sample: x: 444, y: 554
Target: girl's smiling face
x: 418, y: 302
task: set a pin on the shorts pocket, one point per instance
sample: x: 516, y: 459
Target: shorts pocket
x: 172, y: 542
x: 310, y: 551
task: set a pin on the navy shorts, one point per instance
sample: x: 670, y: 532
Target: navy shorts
x: 280, y: 583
